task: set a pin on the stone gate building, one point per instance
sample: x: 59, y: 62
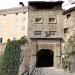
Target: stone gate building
x: 45, y: 31
x: 47, y: 28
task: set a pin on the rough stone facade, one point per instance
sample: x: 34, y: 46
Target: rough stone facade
x: 40, y: 33
x: 26, y: 52
x: 69, y: 23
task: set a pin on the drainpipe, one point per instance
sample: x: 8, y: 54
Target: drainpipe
x: 60, y: 53
x: 36, y: 50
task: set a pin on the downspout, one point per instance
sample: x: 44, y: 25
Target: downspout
x: 60, y: 53
x: 36, y: 52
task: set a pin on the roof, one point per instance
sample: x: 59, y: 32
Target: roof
x: 69, y: 10
x: 13, y: 10
x: 44, y: 4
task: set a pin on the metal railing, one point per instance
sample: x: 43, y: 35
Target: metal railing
x: 33, y: 70
x: 30, y: 70
x: 26, y: 72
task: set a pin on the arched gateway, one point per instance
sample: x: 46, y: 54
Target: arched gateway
x: 45, y: 58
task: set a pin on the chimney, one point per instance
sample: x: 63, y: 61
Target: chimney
x: 21, y: 3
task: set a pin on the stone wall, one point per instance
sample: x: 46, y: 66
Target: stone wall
x: 26, y: 54
x: 70, y: 24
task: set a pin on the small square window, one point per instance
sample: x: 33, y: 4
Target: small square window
x: 4, y: 14
x: 65, y: 30
x: 37, y: 32
x: 1, y: 39
x: 17, y: 13
x: 52, y: 20
x: 38, y: 20
x: 24, y: 12
x: 68, y: 16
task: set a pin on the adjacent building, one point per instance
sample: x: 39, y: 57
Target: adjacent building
x: 69, y: 32
x: 13, y: 23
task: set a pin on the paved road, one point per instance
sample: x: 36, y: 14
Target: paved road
x: 50, y: 71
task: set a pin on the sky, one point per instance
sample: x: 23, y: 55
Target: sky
x: 5, y: 4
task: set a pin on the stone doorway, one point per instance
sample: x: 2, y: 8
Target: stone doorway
x: 45, y: 58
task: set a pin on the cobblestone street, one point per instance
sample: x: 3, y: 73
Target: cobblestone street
x: 51, y: 71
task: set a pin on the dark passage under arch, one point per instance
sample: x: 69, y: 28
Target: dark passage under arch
x: 45, y: 58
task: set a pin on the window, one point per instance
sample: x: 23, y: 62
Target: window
x: 1, y: 28
x: 24, y: 12
x: 49, y: 33
x: 15, y: 28
x: 37, y: 32
x: 1, y: 39
x: 23, y: 27
x: 17, y: 13
x: 14, y: 38
x: 38, y: 20
x: 4, y: 14
x: 65, y: 30
x: 23, y: 18
x: 52, y: 20
x: 68, y: 16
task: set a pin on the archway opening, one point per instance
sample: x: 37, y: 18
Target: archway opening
x: 45, y: 58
